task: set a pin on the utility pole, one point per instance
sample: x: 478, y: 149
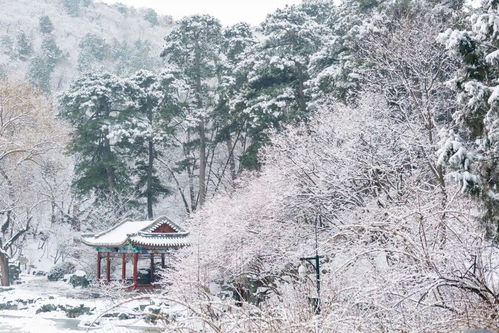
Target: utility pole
x: 315, y: 262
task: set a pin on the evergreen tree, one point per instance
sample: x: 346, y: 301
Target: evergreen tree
x: 93, y: 49
x: 151, y: 16
x: 41, y: 67
x: 277, y: 73
x: 238, y: 39
x: 51, y: 52
x: 477, y: 119
x: 93, y: 105
x: 145, y: 133
x: 130, y: 58
x: 45, y: 24
x: 194, y: 48
x: 72, y: 7
x: 7, y: 45
x: 39, y: 71
x: 24, y: 47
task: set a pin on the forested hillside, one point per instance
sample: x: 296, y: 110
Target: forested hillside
x: 363, y: 135
x: 51, y: 42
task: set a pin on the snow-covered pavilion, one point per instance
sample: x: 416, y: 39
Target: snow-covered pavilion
x: 138, y: 239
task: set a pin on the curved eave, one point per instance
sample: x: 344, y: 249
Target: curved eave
x: 160, y: 241
x: 97, y: 244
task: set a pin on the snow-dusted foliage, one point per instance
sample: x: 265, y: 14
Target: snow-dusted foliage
x: 395, y: 259
x: 477, y: 118
x: 355, y: 131
x: 116, y: 38
x: 29, y: 137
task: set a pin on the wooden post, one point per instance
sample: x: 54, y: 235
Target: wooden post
x: 151, y: 272
x: 162, y: 260
x: 123, y: 267
x: 135, y: 263
x: 108, y: 267
x: 98, y: 266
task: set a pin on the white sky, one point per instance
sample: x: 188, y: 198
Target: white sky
x: 227, y: 11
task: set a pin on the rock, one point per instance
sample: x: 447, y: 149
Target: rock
x: 58, y: 271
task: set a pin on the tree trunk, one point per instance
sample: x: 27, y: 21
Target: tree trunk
x: 107, y: 158
x: 4, y: 269
x: 232, y: 162
x: 202, y: 164
x: 149, y: 181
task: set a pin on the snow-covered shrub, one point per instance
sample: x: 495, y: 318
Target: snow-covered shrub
x: 14, y: 272
x: 79, y: 279
x: 60, y: 270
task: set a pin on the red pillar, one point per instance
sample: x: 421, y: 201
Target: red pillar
x: 151, y: 272
x: 123, y: 267
x: 162, y: 260
x: 135, y: 263
x: 98, y: 266
x: 108, y: 267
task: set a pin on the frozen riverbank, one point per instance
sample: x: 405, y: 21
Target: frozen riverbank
x: 38, y: 305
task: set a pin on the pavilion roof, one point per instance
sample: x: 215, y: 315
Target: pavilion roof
x: 139, y: 233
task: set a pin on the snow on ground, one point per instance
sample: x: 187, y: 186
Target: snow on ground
x: 22, y: 309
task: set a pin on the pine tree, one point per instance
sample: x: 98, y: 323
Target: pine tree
x: 41, y: 67
x: 276, y: 69
x: 194, y: 48
x: 477, y: 119
x: 24, y: 47
x: 144, y: 135
x: 93, y: 50
x: 72, y: 7
x: 45, y: 24
x: 151, y: 16
x: 238, y: 39
x: 93, y: 105
x: 7, y: 45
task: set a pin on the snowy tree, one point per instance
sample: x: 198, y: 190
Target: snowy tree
x: 45, y: 25
x: 141, y: 134
x: 71, y: 6
x: 42, y: 66
x: 194, y: 48
x: 380, y: 222
x: 94, y: 50
x: 93, y: 105
x: 276, y: 72
x: 151, y: 16
x: 7, y: 45
x: 28, y: 134
x: 24, y: 47
x: 476, y: 144
x: 238, y: 39
x: 131, y: 58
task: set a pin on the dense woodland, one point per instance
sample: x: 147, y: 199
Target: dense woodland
x: 367, y: 131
